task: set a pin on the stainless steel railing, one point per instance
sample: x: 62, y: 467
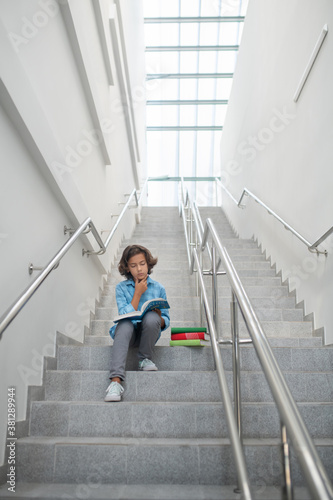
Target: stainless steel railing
x: 292, y: 424
x: 312, y: 247
x: 26, y: 295
x: 235, y: 438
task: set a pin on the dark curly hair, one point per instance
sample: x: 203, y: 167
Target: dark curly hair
x: 129, y: 252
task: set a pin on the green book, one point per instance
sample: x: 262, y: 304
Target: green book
x: 187, y: 329
x: 190, y: 343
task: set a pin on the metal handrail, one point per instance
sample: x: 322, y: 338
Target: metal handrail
x: 103, y: 246
x: 291, y: 420
x: 315, y: 474
x: 235, y: 439
x: 26, y: 295
x: 312, y: 247
x: 193, y: 208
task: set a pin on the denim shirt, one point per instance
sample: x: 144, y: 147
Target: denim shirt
x: 124, y: 295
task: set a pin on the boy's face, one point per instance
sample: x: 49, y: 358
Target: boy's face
x: 138, y: 267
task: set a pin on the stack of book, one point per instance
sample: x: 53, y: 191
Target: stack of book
x: 189, y: 336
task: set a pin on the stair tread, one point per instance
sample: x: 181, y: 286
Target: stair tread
x: 98, y: 340
x: 145, y: 441
x: 173, y: 403
x: 183, y: 373
x: 57, y: 491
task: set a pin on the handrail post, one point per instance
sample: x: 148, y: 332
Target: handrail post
x: 201, y: 298
x: 236, y: 369
x: 191, y: 225
x: 196, y: 276
x: 188, y: 223
x: 287, y: 489
x: 236, y: 363
x: 215, y: 290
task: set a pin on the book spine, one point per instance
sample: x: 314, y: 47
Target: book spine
x: 194, y: 342
x: 186, y: 330
x: 188, y: 336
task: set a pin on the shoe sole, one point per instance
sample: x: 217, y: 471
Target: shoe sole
x: 149, y: 369
x: 112, y: 399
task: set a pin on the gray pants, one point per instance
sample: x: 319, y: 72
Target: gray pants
x: 144, y: 335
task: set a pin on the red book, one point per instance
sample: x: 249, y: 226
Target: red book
x: 189, y: 336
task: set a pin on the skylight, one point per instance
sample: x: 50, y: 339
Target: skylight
x: 191, y: 53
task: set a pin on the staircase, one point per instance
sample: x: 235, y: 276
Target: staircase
x: 167, y: 439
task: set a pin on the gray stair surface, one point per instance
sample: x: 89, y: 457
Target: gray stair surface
x: 168, y: 438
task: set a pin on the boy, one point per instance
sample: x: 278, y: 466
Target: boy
x: 136, y: 265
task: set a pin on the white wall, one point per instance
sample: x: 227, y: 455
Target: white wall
x: 71, y: 147
x: 281, y: 150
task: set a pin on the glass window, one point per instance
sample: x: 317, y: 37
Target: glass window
x: 162, y: 34
x: 189, y: 8
x: 226, y: 61
x: 207, y: 88
x: 162, y: 62
x: 163, y: 89
x: 188, y: 88
x: 167, y: 163
x: 206, y: 115
x: 189, y: 33
x: 187, y: 153
x: 158, y: 8
x: 209, y: 34
x: 192, y: 153
x: 207, y: 62
x: 166, y: 115
x: 223, y: 88
x: 228, y: 34
x: 189, y: 62
x: 187, y: 115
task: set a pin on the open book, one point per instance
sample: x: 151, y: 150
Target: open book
x: 147, y: 306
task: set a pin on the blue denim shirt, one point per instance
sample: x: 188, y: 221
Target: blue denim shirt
x: 124, y: 295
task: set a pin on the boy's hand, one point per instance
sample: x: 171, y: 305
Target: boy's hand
x: 141, y: 285
x: 140, y: 288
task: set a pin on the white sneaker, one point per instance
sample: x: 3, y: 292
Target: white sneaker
x: 114, y: 392
x: 147, y: 365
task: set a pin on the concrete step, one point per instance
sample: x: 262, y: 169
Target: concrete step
x: 99, y: 491
x: 252, y: 291
x: 175, y: 244
x: 149, y: 240
x: 168, y: 276
x: 185, y: 304
x: 90, y: 385
x: 105, y: 340
x: 152, y: 461
x: 243, y: 273
x: 187, y: 359
x: 192, y: 316
x: 109, y: 299
x: 190, y: 298
x: 167, y: 420
x: 273, y: 329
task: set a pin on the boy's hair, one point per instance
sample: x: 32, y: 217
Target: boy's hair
x: 129, y: 252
